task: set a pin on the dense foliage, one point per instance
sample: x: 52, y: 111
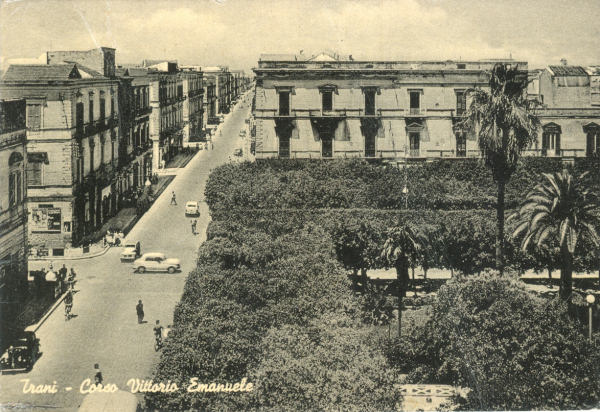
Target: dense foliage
x: 250, y: 290
x: 512, y: 349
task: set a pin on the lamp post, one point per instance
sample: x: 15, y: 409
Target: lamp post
x: 590, y: 299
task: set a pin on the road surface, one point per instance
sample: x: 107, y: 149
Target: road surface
x: 105, y: 329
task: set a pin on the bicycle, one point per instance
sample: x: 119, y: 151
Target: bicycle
x: 157, y: 343
x: 68, y: 309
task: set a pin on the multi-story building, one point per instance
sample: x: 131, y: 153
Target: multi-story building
x: 72, y: 145
x: 335, y: 106
x: 222, y: 80
x: 210, y: 101
x: 166, y: 119
x: 570, y: 113
x: 193, y: 107
x: 13, y: 209
x: 135, y: 155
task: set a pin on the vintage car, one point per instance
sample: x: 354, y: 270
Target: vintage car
x: 238, y: 152
x: 22, y: 354
x: 192, y: 208
x: 156, y: 262
x: 131, y: 251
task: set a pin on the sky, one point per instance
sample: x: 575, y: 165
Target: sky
x: 235, y: 32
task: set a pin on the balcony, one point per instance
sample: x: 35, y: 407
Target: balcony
x: 142, y: 111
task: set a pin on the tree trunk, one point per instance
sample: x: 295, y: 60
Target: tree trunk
x: 550, y: 278
x: 425, y: 273
x: 566, y: 274
x: 364, y: 279
x: 500, y: 227
x: 402, y: 278
x: 451, y: 273
x: 413, y: 280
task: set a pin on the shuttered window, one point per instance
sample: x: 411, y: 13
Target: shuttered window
x: 34, y: 116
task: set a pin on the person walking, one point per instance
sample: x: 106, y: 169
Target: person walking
x: 62, y: 277
x: 139, y: 308
x: 71, y: 280
x: 194, y: 223
x: 97, y: 374
x: 173, y: 199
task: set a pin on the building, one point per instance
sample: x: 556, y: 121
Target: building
x: 210, y: 101
x: 135, y: 154
x: 570, y: 113
x: 13, y: 208
x: 193, y: 107
x: 72, y: 145
x: 222, y: 79
x: 334, y: 106
x: 166, y: 118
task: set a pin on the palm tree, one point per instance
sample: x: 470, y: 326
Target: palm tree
x: 400, y: 250
x: 505, y: 125
x: 559, y: 209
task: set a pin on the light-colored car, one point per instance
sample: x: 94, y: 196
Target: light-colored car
x: 131, y: 251
x: 192, y: 208
x: 238, y: 152
x: 156, y: 262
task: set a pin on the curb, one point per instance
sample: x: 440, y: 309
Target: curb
x: 61, y: 258
x: 49, y: 312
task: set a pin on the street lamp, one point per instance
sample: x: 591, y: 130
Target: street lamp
x: 590, y: 299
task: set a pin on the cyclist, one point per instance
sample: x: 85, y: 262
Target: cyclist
x: 158, y: 329
x: 68, y: 305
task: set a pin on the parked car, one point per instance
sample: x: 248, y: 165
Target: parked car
x: 156, y: 262
x: 192, y: 208
x: 131, y: 251
x: 238, y: 152
x: 22, y: 354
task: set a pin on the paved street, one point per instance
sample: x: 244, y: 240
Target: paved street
x: 105, y: 330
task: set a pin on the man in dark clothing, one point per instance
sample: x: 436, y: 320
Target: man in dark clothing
x: 173, y: 199
x: 193, y: 227
x: 97, y: 375
x: 139, y: 308
x: 62, y: 277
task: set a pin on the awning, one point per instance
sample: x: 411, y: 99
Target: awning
x: 353, y: 128
x: 305, y: 131
x: 106, y: 191
x: 37, y: 157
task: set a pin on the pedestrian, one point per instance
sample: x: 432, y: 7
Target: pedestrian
x: 194, y: 225
x: 173, y: 199
x: 62, y: 277
x: 212, y: 146
x: 97, y: 374
x: 139, y: 308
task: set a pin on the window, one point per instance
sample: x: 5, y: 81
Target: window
x: 461, y: 102
x: 79, y: 115
x: 461, y: 144
x: 34, y: 174
x: 34, y: 116
x: 112, y: 106
x: 551, y: 140
x: 327, y: 100
x: 369, y: 102
x: 91, y: 108
x: 102, y: 107
x: 284, y: 103
x: 415, y: 102
x: 102, y: 151
x: 461, y: 66
x: 414, y: 143
x: 592, y: 132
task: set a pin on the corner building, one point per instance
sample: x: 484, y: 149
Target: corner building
x: 334, y: 106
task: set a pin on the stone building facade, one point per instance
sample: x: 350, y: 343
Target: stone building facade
x: 210, y: 100
x: 222, y: 79
x: 72, y: 149
x: 13, y: 208
x: 193, y: 107
x: 135, y: 155
x: 570, y: 113
x: 333, y: 106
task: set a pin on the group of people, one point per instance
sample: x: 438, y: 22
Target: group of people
x: 159, y: 331
x: 58, y: 282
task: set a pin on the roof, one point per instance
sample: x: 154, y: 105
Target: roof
x: 153, y: 62
x: 153, y: 254
x: 42, y: 72
x: 568, y: 70
x: 83, y: 70
x: 136, y: 72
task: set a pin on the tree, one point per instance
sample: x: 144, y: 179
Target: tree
x: 400, y: 250
x: 505, y: 126
x: 559, y: 209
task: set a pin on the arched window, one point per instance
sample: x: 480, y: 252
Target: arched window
x: 15, y: 179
